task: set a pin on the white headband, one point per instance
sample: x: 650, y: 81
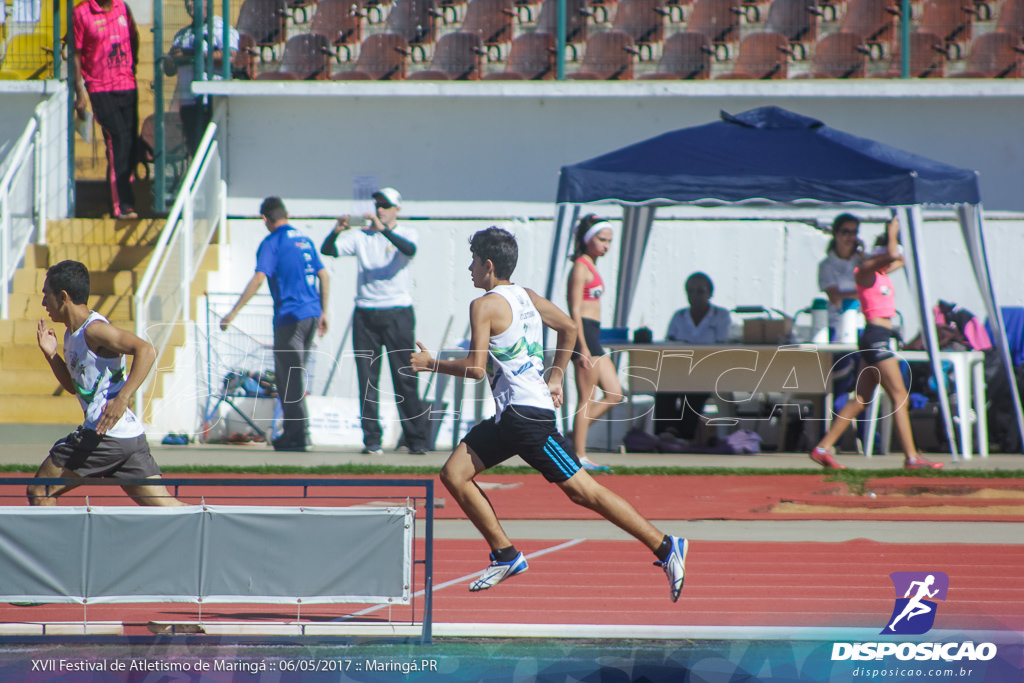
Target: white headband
x: 594, y: 229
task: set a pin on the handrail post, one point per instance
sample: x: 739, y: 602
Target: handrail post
x: 905, y: 38
x: 189, y: 225
x: 560, y: 41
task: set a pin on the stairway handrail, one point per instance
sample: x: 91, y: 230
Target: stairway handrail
x: 19, y: 156
x: 180, y: 218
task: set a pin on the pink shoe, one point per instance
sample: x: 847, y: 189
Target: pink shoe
x: 825, y: 459
x: 920, y: 463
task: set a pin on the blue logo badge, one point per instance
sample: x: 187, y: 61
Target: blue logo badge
x: 915, y: 608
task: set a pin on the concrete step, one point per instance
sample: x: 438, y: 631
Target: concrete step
x: 36, y: 256
x: 19, y: 331
x: 125, y: 233
x: 30, y: 381
x: 29, y: 409
x: 97, y: 257
x: 112, y: 306
x: 28, y: 281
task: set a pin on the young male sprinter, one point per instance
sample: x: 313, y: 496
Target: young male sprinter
x: 507, y: 323
x: 110, y: 442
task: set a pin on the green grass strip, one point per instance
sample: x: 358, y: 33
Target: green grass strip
x: 851, y: 476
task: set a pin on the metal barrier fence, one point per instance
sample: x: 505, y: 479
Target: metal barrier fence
x: 33, y: 187
x: 308, y: 543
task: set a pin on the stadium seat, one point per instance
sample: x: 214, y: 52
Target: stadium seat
x: 531, y: 58
x: 950, y: 20
x: 829, y: 10
x: 457, y: 57
x: 174, y: 142
x: 643, y: 20
x: 685, y: 55
x: 840, y: 55
x: 264, y: 22
x: 927, y: 57
x: 875, y: 20
x: 1011, y: 19
x: 995, y: 55
x: 414, y: 20
x: 307, y: 57
x: 795, y: 20
x: 609, y: 57
x: 382, y: 57
x: 763, y: 56
x: 340, y: 22
x: 576, y: 13
x: 492, y: 20
x: 717, y: 20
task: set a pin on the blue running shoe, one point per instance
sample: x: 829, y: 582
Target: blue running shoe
x: 675, y: 566
x: 498, y: 572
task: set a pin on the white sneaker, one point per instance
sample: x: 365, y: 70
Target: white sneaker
x: 675, y: 566
x: 498, y: 572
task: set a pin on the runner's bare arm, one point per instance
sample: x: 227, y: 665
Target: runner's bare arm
x: 474, y: 365
x: 47, y: 340
x: 108, y: 341
x: 566, y: 330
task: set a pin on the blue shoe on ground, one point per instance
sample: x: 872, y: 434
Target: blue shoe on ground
x: 675, y: 566
x: 498, y: 572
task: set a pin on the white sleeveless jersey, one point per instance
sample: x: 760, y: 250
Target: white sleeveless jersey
x: 515, y: 362
x: 97, y: 380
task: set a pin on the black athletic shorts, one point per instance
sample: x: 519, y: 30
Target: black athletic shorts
x: 529, y: 433
x: 874, y: 344
x: 88, y: 454
x: 591, y: 336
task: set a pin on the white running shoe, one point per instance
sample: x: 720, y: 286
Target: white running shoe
x: 675, y: 566
x: 498, y: 572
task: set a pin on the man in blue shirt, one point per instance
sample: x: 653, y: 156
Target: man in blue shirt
x: 288, y: 261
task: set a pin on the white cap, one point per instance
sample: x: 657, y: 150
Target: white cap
x: 388, y: 195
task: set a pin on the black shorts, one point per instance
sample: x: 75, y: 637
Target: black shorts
x: 529, y: 433
x: 874, y: 344
x: 88, y: 454
x: 591, y: 336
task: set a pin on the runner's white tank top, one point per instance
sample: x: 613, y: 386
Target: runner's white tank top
x: 97, y: 380
x: 515, y: 362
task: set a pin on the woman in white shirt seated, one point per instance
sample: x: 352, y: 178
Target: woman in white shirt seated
x: 701, y: 323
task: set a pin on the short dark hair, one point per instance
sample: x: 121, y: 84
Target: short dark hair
x: 273, y: 208
x: 71, y: 277
x: 699, y: 275
x: 499, y: 247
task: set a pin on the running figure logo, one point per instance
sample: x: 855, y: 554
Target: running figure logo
x: 914, y: 613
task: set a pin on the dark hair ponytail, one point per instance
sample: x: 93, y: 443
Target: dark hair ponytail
x: 581, y: 230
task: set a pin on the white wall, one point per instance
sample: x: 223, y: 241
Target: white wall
x: 506, y: 142
x: 772, y: 262
x: 466, y: 156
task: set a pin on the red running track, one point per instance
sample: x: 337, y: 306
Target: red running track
x: 613, y: 583
x: 597, y: 582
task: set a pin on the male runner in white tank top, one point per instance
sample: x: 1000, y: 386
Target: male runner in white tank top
x: 111, y: 441
x: 505, y: 345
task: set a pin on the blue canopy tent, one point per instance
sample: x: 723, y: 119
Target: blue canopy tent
x: 771, y: 155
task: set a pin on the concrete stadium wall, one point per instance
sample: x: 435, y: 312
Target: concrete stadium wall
x: 466, y: 156
x: 465, y: 142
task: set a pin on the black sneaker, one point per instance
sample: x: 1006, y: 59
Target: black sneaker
x: 283, y: 444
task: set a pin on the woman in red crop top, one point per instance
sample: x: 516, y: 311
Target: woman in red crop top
x: 593, y: 368
x: 878, y: 301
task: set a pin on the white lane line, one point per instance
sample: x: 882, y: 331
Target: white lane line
x: 467, y: 577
